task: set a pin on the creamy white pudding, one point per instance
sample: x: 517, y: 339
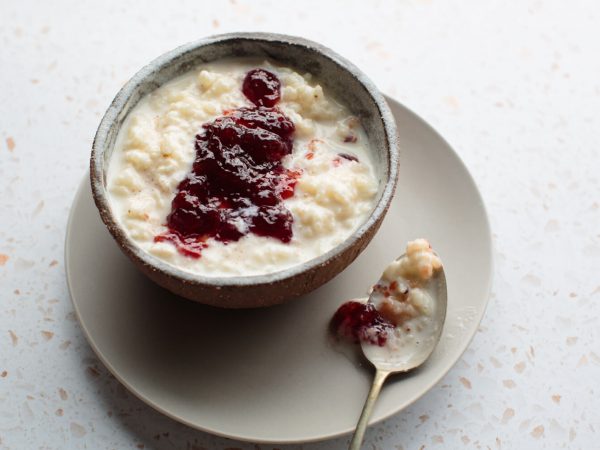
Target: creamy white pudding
x: 401, y: 309
x: 323, y: 184
x: 406, y: 298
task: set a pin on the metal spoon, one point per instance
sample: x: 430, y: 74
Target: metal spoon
x: 388, y: 362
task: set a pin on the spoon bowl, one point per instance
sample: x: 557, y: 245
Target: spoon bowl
x: 411, y: 357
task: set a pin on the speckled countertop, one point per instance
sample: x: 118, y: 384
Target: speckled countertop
x: 513, y: 86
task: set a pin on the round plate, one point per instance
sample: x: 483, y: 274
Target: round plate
x: 271, y: 375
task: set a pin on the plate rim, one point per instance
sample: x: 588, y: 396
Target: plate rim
x: 393, y: 103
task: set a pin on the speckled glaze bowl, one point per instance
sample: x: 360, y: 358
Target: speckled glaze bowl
x: 338, y: 76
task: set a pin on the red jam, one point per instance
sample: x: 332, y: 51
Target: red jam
x: 348, y: 157
x: 262, y: 87
x: 358, y: 321
x: 238, y: 182
x: 337, y: 161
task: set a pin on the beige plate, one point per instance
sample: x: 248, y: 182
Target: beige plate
x: 271, y: 375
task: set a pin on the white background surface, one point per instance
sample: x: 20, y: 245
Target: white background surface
x: 513, y: 86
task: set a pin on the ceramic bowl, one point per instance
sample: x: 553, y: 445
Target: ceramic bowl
x: 338, y: 77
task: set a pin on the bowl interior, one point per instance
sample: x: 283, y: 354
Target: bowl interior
x: 339, y: 78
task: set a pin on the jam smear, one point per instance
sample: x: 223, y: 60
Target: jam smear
x: 238, y: 182
x: 348, y: 157
x: 338, y: 159
x: 262, y: 87
x: 359, y: 321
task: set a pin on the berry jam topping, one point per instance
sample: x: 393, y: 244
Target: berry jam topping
x: 262, y: 87
x: 238, y: 182
x: 361, y: 322
x: 338, y: 159
x: 348, y: 157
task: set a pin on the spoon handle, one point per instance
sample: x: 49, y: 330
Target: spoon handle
x: 359, y: 433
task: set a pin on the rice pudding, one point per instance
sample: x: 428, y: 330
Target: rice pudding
x: 240, y: 167
x: 401, y: 308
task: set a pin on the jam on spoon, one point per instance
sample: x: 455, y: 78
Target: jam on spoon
x: 358, y: 321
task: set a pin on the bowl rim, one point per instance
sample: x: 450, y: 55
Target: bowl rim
x: 97, y: 165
